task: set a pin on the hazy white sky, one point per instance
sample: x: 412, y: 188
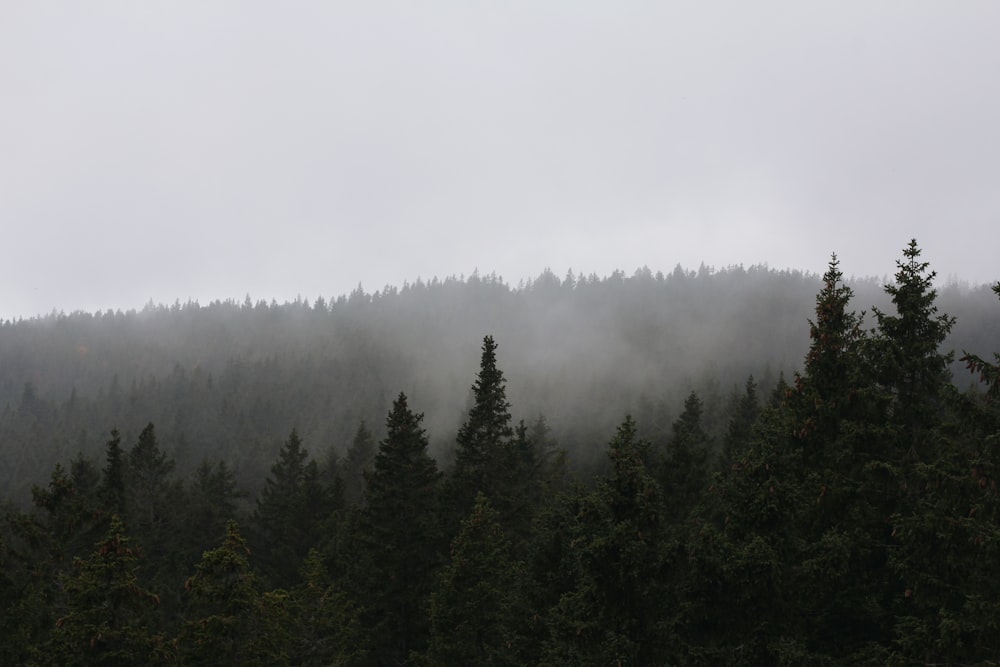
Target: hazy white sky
x: 208, y: 149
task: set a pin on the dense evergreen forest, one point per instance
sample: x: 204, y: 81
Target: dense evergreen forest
x: 733, y: 467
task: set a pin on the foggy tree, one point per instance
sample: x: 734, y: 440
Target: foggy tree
x: 359, y: 458
x: 616, y: 612
x: 483, y: 457
x: 112, y: 489
x: 399, y: 540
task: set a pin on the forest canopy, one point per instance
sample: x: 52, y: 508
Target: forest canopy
x: 744, y: 466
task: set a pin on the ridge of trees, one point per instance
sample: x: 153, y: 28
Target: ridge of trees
x: 851, y: 517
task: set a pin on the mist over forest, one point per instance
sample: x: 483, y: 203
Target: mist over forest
x: 228, y: 379
x: 711, y: 467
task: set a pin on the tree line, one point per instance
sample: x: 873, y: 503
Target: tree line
x: 845, y: 515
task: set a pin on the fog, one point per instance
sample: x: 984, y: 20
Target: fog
x: 229, y: 380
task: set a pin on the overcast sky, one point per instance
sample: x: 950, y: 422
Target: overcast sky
x: 209, y: 149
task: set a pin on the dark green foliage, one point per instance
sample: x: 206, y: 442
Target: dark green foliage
x: 229, y: 620
x: 112, y: 489
x: 148, y: 477
x: 359, y: 459
x: 291, y: 511
x: 684, y: 469
x: 745, y: 409
x: 484, y: 458
x: 106, y: 615
x: 855, y: 518
x: 906, y: 351
x: 617, y: 614
x: 211, y: 498
x: 474, y: 609
x: 325, y: 625
x: 399, y: 542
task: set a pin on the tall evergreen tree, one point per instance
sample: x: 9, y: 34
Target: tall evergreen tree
x: 483, y: 459
x: 474, y: 609
x: 290, y: 511
x: 909, y: 361
x: 745, y: 410
x: 229, y: 621
x: 684, y: 468
x: 326, y: 629
x: 107, y: 609
x: 617, y: 613
x: 148, y: 477
x: 360, y: 457
x: 112, y: 489
x: 399, y: 541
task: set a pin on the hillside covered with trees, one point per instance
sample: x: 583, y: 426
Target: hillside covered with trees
x: 699, y: 468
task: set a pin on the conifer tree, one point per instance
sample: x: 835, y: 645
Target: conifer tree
x: 360, y: 457
x: 324, y: 621
x: 616, y: 613
x: 908, y: 360
x: 483, y: 459
x: 684, y: 469
x: 112, y: 488
x: 229, y: 621
x: 107, y: 609
x: 290, y: 512
x: 474, y: 614
x: 745, y: 410
x: 399, y: 540
x: 211, y: 504
x: 148, y: 477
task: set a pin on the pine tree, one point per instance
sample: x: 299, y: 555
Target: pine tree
x: 745, y: 409
x: 147, y: 478
x: 483, y: 459
x: 398, y: 540
x: 112, y: 489
x: 211, y: 505
x: 616, y: 613
x: 947, y: 526
x: 229, y: 621
x: 684, y: 469
x: 290, y: 512
x: 107, y: 609
x: 326, y: 628
x: 474, y: 609
x: 906, y: 350
x: 359, y: 459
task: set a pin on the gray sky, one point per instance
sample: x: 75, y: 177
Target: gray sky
x: 174, y: 150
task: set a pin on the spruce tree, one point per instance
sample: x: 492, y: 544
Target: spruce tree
x: 359, y: 459
x: 112, y: 488
x: 684, y: 469
x: 107, y: 609
x: 745, y: 410
x: 483, y: 459
x: 398, y: 541
x: 229, y: 621
x: 147, y: 479
x: 290, y: 512
x: 616, y: 613
x: 474, y: 609
x: 908, y: 359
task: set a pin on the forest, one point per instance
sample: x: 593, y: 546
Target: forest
x: 741, y: 466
